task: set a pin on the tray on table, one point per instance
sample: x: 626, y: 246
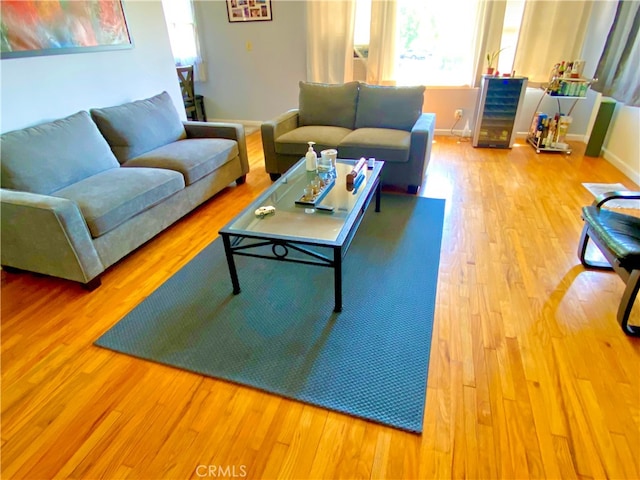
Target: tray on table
x: 317, y: 198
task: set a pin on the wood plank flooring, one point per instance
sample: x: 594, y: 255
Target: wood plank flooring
x: 530, y: 375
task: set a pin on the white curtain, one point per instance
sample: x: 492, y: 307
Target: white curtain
x: 183, y: 35
x: 330, y: 27
x: 488, y: 35
x: 550, y: 33
x: 382, y: 44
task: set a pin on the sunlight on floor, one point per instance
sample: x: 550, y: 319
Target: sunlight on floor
x: 439, y: 185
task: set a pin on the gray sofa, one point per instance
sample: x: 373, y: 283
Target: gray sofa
x: 358, y: 120
x: 80, y: 193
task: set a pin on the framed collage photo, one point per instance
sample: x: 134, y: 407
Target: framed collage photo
x: 249, y: 10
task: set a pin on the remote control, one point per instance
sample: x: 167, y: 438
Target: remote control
x: 325, y: 208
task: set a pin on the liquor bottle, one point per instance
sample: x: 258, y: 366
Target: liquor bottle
x: 567, y: 72
x: 541, y: 119
x: 561, y: 69
x: 545, y: 132
x: 552, y: 132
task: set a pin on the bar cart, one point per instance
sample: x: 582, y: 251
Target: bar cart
x: 547, y: 134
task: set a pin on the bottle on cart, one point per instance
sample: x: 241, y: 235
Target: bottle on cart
x: 541, y: 119
x: 561, y: 69
x: 567, y: 72
x: 551, y: 137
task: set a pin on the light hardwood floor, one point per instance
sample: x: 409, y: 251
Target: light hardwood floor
x: 530, y: 375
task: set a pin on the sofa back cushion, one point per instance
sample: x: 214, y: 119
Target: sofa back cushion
x: 51, y: 156
x: 389, y: 107
x: 332, y: 105
x: 139, y: 127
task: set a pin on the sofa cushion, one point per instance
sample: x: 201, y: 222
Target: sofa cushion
x: 389, y: 107
x: 138, y: 127
x: 328, y: 104
x: 193, y: 158
x: 51, y: 156
x: 295, y: 141
x: 110, y: 198
x: 380, y: 143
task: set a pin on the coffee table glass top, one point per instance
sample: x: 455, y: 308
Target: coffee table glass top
x: 294, y: 221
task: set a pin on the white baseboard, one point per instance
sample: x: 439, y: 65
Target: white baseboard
x: 447, y: 132
x: 457, y: 133
x: 617, y: 162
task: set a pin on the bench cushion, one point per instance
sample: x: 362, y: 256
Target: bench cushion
x: 328, y: 104
x: 380, y: 143
x: 621, y: 233
x: 389, y: 107
x: 193, y: 158
x: 110, y: 198
x: 51, y: 156
x: 139, y: 127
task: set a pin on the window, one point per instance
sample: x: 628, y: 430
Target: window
x: 361, y: 32
x: 183, y: 36
x: 510, y: 32
x: 436, y: 40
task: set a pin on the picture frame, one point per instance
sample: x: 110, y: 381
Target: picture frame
x: 249, y: 10
x: 35, y: 28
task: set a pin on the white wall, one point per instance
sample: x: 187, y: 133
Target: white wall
x: 39, y: 89
x: 622, y: 143
x: 253, y: 85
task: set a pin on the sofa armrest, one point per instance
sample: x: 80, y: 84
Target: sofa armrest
x: 46, y: 235
x: 421, y: 138
x: 232, y: 131
x: 273, y: 129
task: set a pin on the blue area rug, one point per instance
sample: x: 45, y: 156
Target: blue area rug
x: 280, y: 333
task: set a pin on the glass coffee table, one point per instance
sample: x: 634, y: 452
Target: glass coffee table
x: 317, y: 234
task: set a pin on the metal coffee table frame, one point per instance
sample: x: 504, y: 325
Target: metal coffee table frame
x: 246, y: 243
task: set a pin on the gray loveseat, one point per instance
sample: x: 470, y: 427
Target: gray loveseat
x: 80, y: 193
x: 358, y: 120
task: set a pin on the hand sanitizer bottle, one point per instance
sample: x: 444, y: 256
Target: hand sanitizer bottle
x: 312, y: 158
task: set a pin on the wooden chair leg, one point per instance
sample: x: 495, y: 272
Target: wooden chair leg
x: 626, y: 304
x: 202, y: 109
x: 198, y: 113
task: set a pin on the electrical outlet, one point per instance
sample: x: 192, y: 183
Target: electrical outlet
x: 457, y: 114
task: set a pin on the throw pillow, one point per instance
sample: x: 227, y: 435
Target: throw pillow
x: 54, y: 155
x: 139, y: 127
x: 328, y: 104
x: 389, y: 107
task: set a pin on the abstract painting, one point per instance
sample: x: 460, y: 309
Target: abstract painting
x: 32, y: 27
